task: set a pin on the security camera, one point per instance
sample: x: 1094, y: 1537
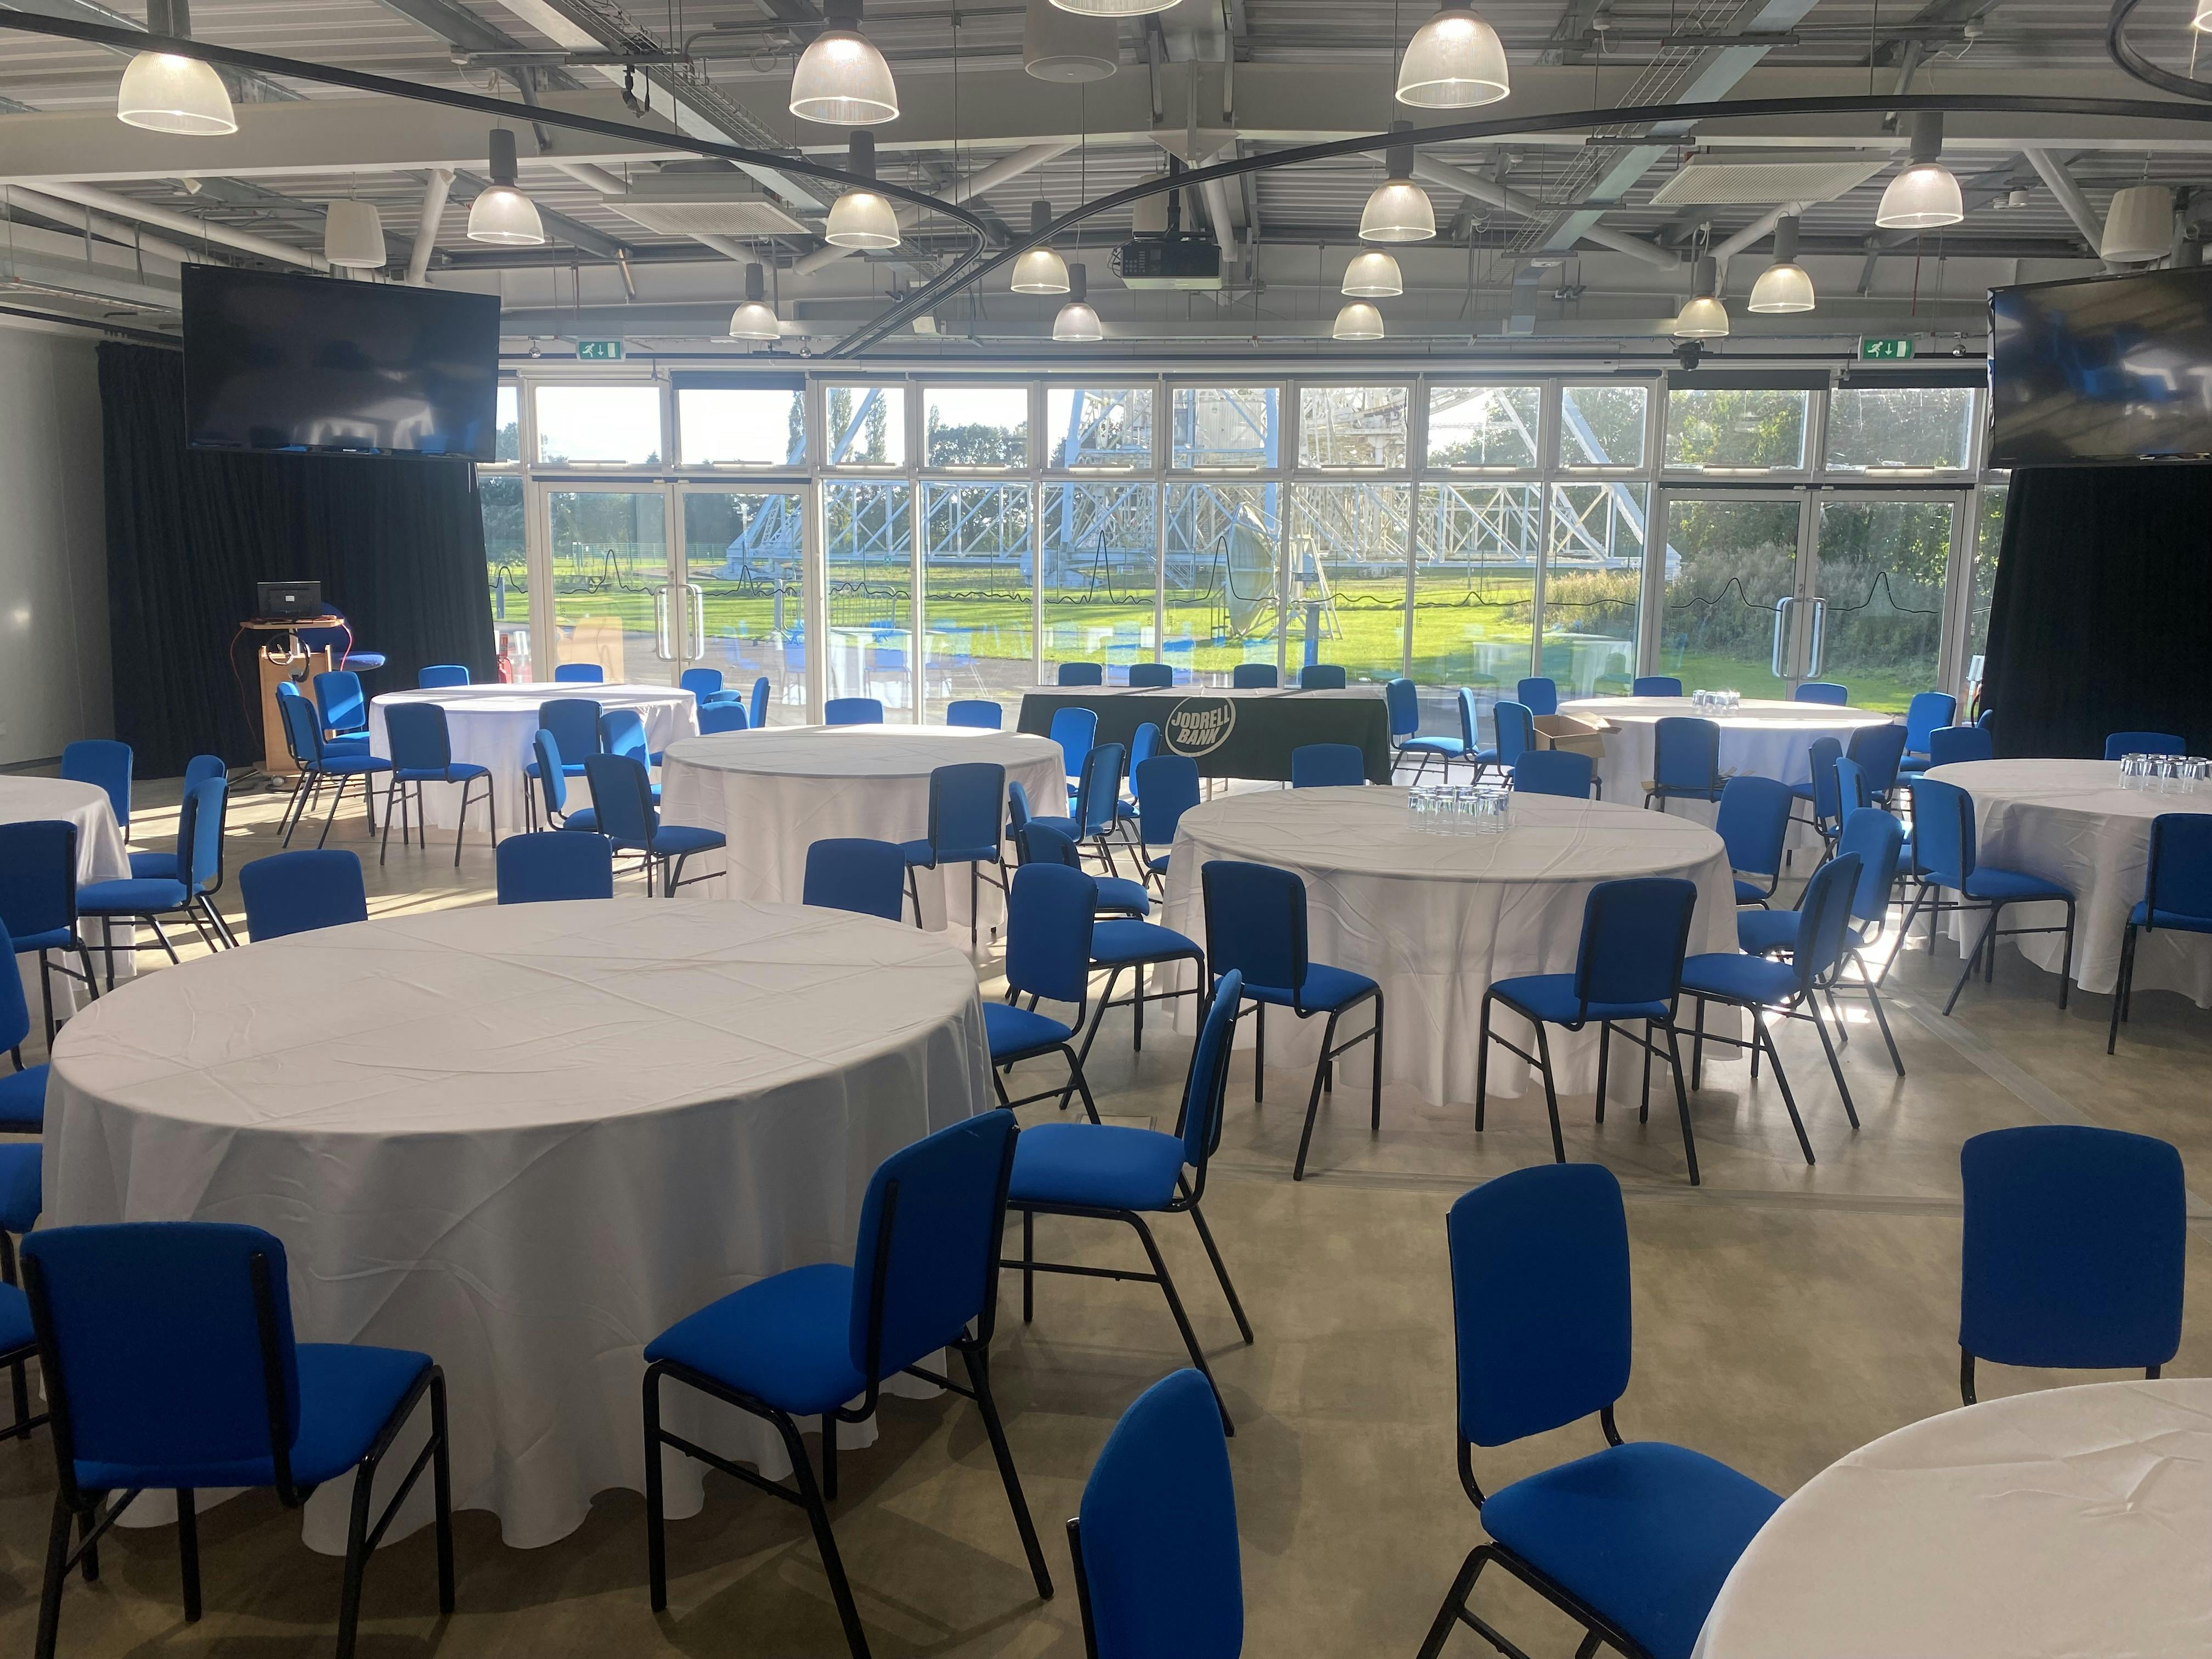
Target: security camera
x: 1689, y: 352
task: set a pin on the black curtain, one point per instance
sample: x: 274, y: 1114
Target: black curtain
x: 397, y: 542
x: 2097, y: 622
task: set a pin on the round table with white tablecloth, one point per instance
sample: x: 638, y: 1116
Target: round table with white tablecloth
x: 1436, y: 919
x: 777, y: 792
x: 2064, y: 1523
x: 2071, y: 822
x: 494, y: 726
x: 101, y: 856
x: 524, y: 1139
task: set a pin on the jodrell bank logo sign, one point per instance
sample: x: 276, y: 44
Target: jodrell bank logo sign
x: 1199, y: 726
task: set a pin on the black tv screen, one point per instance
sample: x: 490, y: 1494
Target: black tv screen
x: 320, y: 364
x: 2107, y: 368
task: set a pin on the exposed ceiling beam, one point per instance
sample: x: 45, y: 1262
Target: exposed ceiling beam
x: 126, y: 207
x: 1445, y: 174
x: 462, y: 30
x: 436, y: 189
x: 258, y: 89
x: 2051, y: 169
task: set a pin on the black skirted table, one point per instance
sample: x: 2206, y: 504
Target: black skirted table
x: 1230, y: 733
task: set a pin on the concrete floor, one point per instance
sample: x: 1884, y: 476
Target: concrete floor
x: 1784, y: 1315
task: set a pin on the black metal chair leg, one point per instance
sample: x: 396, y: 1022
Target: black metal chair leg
x: 2066, y: 962
x: 1029, y: 1272
x: 441, y: 1491
x: 1551, y: 1092
x: 1482, y: 1062
x: 1682, y: 1104
x: 1835, y: 1062
x: 1375, y: 1104
x: 1221, y: 1272
x: 1259, y: 1048
x: 1967, y: 971
x: 1449, y: 1615
x: 2122, y: 987
x: 338, y: 799
x: 829, y: 1460
x: 1760, y: 1034
x: 1181, y: 1319
x: 978, y: 1375
x: 1313, y: 1100
x: 357, y: 1558
x: 188, y: 1552
x: 833, y: 1565
x: 1604, y: 1047
x: 1697, y: 1046
x: 1881, y: 1015
x: 656, y: 1522
x: 50, y: 1588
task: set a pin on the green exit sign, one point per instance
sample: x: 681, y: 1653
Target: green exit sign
x: 609, y: 351
x: 1872, y: 350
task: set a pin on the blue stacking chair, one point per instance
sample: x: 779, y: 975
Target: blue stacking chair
x: 1686, y: 761
x: 1516, y: 736
x: 1041, y: 843
x: 1879, y: 750
x: 1143, y: 744
x: 1819, y: 791
x: 966, y: 802
x: 622, y: 798
x: 1759, y: 985
x: 1824, y: 691
x: 1124, y: 944
x: 2143, y: 742
x: 1632, y: 1542
x: 621, y: 731
x: 1944, y: 846
x: 580, y: 674
x: 1157, y: 1571
x: 718, y: 717
x: 851, y: 872
x: 701, y: 683
x: 1655, y: 685
x: 1097, y: 799
x: 341, y: 702
x: 1928, y: 713
x: 1256, y: 926
x: 1555, y: 772
x: 757, y: 709
x: 804, y: 1342
x: 20, y: 1203
x: 161, y: 862
x: 1167, y: 788
x: 1255, y: 676
x: 319, y: 764
x: 442, y: 676
x: 1328, y: 766
x: 1960, y: 745
x: 37, y: 902
x: 2176, y: 896
x: 2075, y: 1250
x: 1151, y: 675
x: 1752, y: 823
x: 1628, y: 967
x: 553, y: 772
x: 135, y: 899
x: 1539, y: 695
x: 1050, y: 909
x: 853, y: 711
x: 1076, y: 731
x: 1852, y: 792
x: 338, y: 642
x: 422, y: 752
x: 105, y: 764
x: 1402, y: 698
x: 297, y: 892
x: 548, y: 865
x: 575, y: 724
x: 23, y: 1091
x: 1082, y: 673
x: 1448, y: 750
x: 1114, y: 1173
x: 1321, y: 677
x: 977, y: 712
x: 159, y: 1342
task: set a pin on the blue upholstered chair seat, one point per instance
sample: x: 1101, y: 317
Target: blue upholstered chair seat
x: 1750, y: 893
x: 1120, y: 943
x: 1118, y: 893
x: 1450, y: 748
x: 1111, y: 1168
x: 1064, y: 825
x: 344, y: 765
x: 920, y: 852
x: 452, y: 772
x: 347, y: 1395
x: 1692, y: 791
x: 155, y: 866
x: 1326, y: 988
x: 1158, y: 866
x: 359, y: 662
x: 1551, y: 997
x: 1644, y: 1533
x: 131, y: 896
x: 14, y: 1320
x: 2143, y: 916
x: 786, y: 1340
x: 23, y: 1104
x: 568, y: 769
x: 673, y: 841
x: 54, y: 939
x: 582, y: 818
x: 19, y: 1201
x: 1014, y: 1032
x: 355, y: 745
x: 2009, y: 886
x: 1745, y: 979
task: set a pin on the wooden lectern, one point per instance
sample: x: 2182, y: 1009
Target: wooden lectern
x: 281, y: 657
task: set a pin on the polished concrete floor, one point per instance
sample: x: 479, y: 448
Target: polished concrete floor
x: 1784, y: 1315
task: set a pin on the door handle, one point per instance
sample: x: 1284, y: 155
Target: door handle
x: 1820, y: 653
x: 1781, y: 657
x: 663, y: 643
x: 698, y: 608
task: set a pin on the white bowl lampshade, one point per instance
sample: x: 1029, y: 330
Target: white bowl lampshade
x: 754, y: 318
x: 841, y: 80
x: 861, y: 218
x: 1372, y: 276
x: 164, y: 93
x: 502, y: 215
x: 1115, y: 8
x: 1782, y: 286
x: 1077, y: 321
x: 1040, y: 270
x: 1357, y: 321
x: 1705, y: 318
x: 1398, y: 210
x: 1454, y: 61
x: 1068, y: 47
x: 1924, y: 197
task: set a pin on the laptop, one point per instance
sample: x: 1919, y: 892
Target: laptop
x: 288, y: 600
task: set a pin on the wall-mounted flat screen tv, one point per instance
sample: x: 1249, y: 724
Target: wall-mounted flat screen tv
x: 322, y: 365
x: 2107, y: 368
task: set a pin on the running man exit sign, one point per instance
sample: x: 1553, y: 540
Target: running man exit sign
x: 609, y: 351
x: 1871, y: 350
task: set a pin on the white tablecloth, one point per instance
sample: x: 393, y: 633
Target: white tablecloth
x: 1437, y: 918
x: 524, y: 1139
x: 775, y: 793
x: 101, y: 856
x: 494, y: 724
x: 2069, y: 821
x: 2067, y: 1523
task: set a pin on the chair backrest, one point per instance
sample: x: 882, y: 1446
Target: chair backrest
x: 1144, y: 744
x: 550, y: 864
x: 157, y: 1329
x: 296, y: 892
x: 1255, y: 922
x: 966, y: 801
x: 715, y: 717
x: 440, y: 676
x: 1321, y: 677
x: 1328, y: 766
x: 1156, y: 1537
x: 552, y: 778
x: 2180, y: 879
x: 104, y: 763
x: 37, y: 877
x: 1823, y: 754
x: 1988, y: 719
x: 756, y: 710
x: 1467, y: 721
x: 200, y: 768
x: 621, y: 731
x: 418, y: 735
x: 1655, y: 685
x: 853, y: 711
x: 1098, y: 789
x: 14, y: 1009
x: 2074, y: 1245
x: 1074, y: 730
x: 580, y: 674
x: 575, y: 724
x: 1402, y: 699
x: 1539, y: 1300
x: 1954, y: 745
x: 1050, y: 909
x: 1876, y: 839
x: 1754, y: 821
x: 338, y: 697
x: 2143, y: 742
x: 1851, y: 791
x: 1926, y: 711
x: 199, y: 833
x: 978, y: 712
x: 1634, y: 934
x: 701, y: 683
x: 1253, y: 677
x: 1686, y: 753
x: 1082, y: 673
x: 621, y: 797
x: 851, y: 872
x: 1539, y: 695
x: 1018, y: 808
x: 1153, y: 674
x: 1554, y: 772
x: 1823, y: 691
x: 303, y: 732
x: 1040, y: 843
x: 1205, y: 1087
x: 1824, y: 914
x: 1167, y: 788
x: 1878, y: 749
x: 927, y: 1262
x: 1517, y: 731
x: 1943, y: 847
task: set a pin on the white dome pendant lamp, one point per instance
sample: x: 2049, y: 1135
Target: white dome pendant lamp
x: 1782, y: 286
x: 1372, y: 276
x: 1077, y: 321
x: 2139, y: 227
x: 1070, y: 46
x: 502, y: 214
x: 1115, y: 8
x: 861, y: 218
x: 1398, y: 210
x: 755, y: 319
x: 841, y: 80
x: 1705, y: 318
x: 1357, y: 321
x: 1454, y: 61
x: 1040, y: 270
x: 1924, y: 197
x: 164, y: 93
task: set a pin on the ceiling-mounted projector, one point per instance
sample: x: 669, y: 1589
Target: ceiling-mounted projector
x: 1160, y: 254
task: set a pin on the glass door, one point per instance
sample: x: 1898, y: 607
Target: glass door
x: 1734, y: 619
x: 744, y: 590
x: 1879, y: 564
x: 615, y: 582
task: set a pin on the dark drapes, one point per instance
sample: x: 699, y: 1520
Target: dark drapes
x: 2097, y: 622
x: 398, y: 544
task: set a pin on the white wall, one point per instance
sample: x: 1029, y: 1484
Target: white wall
x: 54, y: 681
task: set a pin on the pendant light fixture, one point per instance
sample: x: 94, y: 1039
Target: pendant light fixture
x: 1398, y: 210
x: 1924, y: 196
x: 164, y: 93
x: 1115, y: 8
x: 1077, y: 321
x: 2139, y: 226
x: 1357, y: 321
x: 1705, y: 318
x: 2203, y: 21
x: 1040, y: 270
x: 1782, y: 286
x: 861, y: 218
x: 755, y: 319
x: 841, y: 80
x: 1454, y: 61
x: 1070, y: 46
x: 353, y: 236
x: 502, y: 214
x: 1372, y: 276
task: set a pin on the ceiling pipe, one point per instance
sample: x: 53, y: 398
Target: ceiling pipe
x: 1473, y: 184
x: 586, y: 173
x: 435, y: 189
x: 129, y: 236
x: 1755, y: 231
x: 124, y: 207
x: 1000, y: 171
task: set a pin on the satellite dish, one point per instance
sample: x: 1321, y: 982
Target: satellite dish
x: 1251, y: 573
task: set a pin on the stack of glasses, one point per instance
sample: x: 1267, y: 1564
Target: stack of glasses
x: 1715, y: 702
x: 1459, y: 809
x: 2165, y: 775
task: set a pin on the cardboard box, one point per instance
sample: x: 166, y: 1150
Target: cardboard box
x: 1576, y: 733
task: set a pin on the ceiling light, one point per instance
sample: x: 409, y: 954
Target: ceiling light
x: 1782, y: 286
x: 353, y: 236
x: 502, y: 214
x: 755, y: 319
x: 1115, y: 8
x: 1040, y: 270
x: 1703, y: 318
x: 1398, y: 210
x: 1066, y: 46
x: 861, y: 218
x: 1454, y: 61
x: 165, y: 93
x: 2139, y: 226
x: 1373, y: 276
x: 1357, y: 321
x: 2202, y: 21
x: 1077, y: 321
x: 841, y: 80
x: 1924, y: 195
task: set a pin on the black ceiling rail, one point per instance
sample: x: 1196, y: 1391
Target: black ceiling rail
x: 2135, y: 63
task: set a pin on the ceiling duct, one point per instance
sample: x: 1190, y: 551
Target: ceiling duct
x: 1704, y: 181
x: 684, y: 202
